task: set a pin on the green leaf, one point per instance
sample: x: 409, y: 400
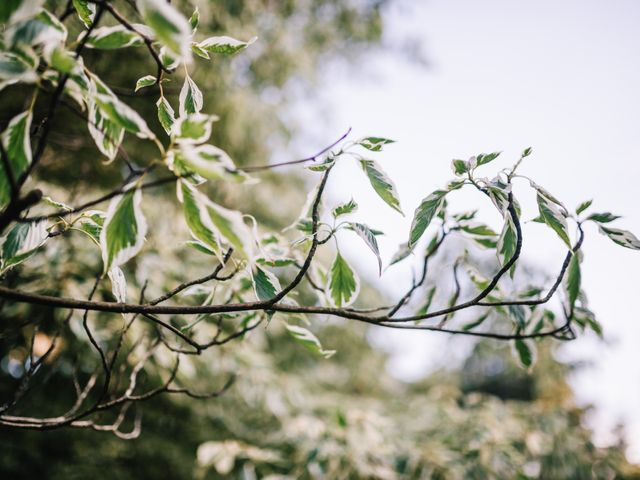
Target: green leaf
x: 621, y: 237
x: 190, y: 98
x: 145, y: 81
x: 308, y: 340
x: 518, y: 315
x: 485, y: 158
x: 86, y: 11
x: 195, y: 48
x: 166, y: 115
x: 475, y: 323
x: 526, y: 152
x: 112, y: 38
x: 16, y: 10
x: 224, y: 45
x: 525, y: 350
x: 265, y: 284
x: 605, y: 217
x: 106, y: 133
x: 345, y: 208
x: 21, y: 242
x: 122, y: 115
x: 424, y: 214
x: 478, y: 229
x: 507, y: 244
x: 583, y: 206
x: 573, y: 279
x: 211, y: 163
x: 431, y: 293
x: 91, y: 223
x: 343, y: 284
x: 374, y: 144
x: 459, y: 167
x: 198, y: 220
x: 171, y: 28
x: 554, y: 218
x: 382, y: 184
x: 369, y: 238
x: 324, y: 165
x: 124, y: 229
x: 194, y: 20
x: 44, y: 29
x: 232, y: 228
x: 17, y: 144
x: 193, y: 128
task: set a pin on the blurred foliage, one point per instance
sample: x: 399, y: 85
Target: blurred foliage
x: 289, y: 414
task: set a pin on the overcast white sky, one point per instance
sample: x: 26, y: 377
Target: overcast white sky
x: 560, y: 76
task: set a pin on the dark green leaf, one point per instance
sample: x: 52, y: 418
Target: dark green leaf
x: 605, y: 217
x: 583, y: 206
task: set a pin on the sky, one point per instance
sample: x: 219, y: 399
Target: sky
x: 562, y: 77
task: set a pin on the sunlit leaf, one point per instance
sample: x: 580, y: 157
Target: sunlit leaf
x: 124, y: 229
x: 382, y: 184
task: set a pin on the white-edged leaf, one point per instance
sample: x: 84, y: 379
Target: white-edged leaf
x: 112, y: 38
x: 382, y: 184
x: 193, y: 128
x: 17, y: 144
x: 374, y: 144
x: 210, y: 162
x: 369, y: 238
x: 194, y: 20
x: 553, y: 218
x: 605, y: 217
x: 344, y: 209
x: 21, y: 242
x: 343, y: 284
x: 424, y: 214
x: 86, y: 10
x: 124, y: 229
x: 145, y: 81
x: 224, y: 45
x: 171, y: 28
x: 166, y: 115
x: 232, y: 228
x: 507, y: 243
x: 265, y: 283
x: 622, y: 237
x: 122, y: 115
x: 308, y: 340
x: 197, y: 217
x: 485, y: 158
x: 118, y: 284
x: 191, y: 100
